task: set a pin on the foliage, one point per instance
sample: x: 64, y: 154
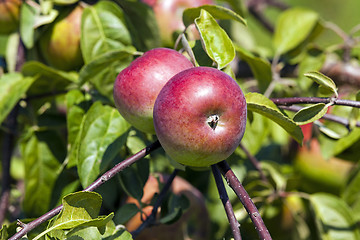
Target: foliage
x: 61, y: 130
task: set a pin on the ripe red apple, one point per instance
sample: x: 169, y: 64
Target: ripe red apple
x: 60, y: 44
x: 168, y: 14
x: 9, y: 15
x: 200, y: 116
x: 137, y: 86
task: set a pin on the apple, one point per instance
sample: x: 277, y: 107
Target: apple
x: 9, y: 15
x: 60, y: 44
x: 137, y: 86
x: 200, y: 116
x: 197, y: 212
x: 168, y: 14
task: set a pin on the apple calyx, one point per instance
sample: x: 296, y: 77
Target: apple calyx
x: 213, y: 120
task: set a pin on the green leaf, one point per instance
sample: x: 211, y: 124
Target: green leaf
x: 351, y: 193
x: 260, y: 67
x: 101, y: 127
x: 3, y: 232
x: 323, y: 81
x: 80, y: 209
x: 218, y: 12
x: 310, y: 114
x: 103, y: 29
x: 27, y: 22
x: 40, y: 152
x: 334, y: 217
x: 126, y: 212
x: 48, y: 79
x: 347, y: 141
x: 65, y: 2
x: 275, y: 174
x: 131, y: 183
x: 142, y: 24
x: 102, y: 71
x: 13, y: 87
x: 293, y: 27
x: 216, y: 42
x: 259, y: 103
x: 11, y: 55
x: 177, y: 205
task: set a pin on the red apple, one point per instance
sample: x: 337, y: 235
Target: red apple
x: 200, y: 116
x: 9, y: 15
x: 168, y: 14
x: 137, y: 86
x: 60, y: 44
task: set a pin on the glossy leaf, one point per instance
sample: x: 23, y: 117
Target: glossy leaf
x: 103, y: 70
x: 216, y: 42
x: 310, y: 114
x: 293, y: 27
x: 218, y: 12
x: 103, y: 29
x: 323, y: 81
x: 259, y: 103
x: 13, y: 87
x: 101, y: 127
x: 260, y: 67
x: 334, y: 217
x: 42, y: 169
x: 48, y: 79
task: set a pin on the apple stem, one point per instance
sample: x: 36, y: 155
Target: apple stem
x: 104, y: 178
x: 245, y: 199
x: 234, y: 224
x: 213, y: 121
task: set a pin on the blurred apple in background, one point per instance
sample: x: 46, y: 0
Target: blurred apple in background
x: 60, y: 44
x: 193, y: 224
x: 9, y: 15
x: 168, y: 14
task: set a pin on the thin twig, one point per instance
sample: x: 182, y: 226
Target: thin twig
x: 105, y: 177
x: 152, y: 217
x: 254, y: 162
x: 309, y: 100
x: 327, y: 116
x: 234, y: 224
x: 245, y: 199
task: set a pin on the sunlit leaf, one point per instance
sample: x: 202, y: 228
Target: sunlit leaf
x: 293, y: 27
x: 103, y: 29
x: 323, y: 81
x: 101, y: 127
x: 334, y: 217
x: 218, y: 12
x: 260, y: 104
x: 310, y: 114
x: 216, y: 42
x: 13, y: 87
x: 27, y: 22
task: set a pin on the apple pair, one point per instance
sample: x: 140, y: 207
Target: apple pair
x: 197, y: 113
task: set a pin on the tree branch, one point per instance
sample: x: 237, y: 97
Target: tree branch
x: 309, y: 100
x: 245, y: 199
x: 104, y: 178
x: 152, y: 217
x: 234, y: 224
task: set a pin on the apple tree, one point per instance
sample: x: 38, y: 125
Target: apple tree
x: 80, y: 83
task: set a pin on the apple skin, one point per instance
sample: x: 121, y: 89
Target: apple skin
x: 9, y: 15
x: 168, y: 14
x: 60, y: 44
x: 186, y: 105
x: 137, y: 86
